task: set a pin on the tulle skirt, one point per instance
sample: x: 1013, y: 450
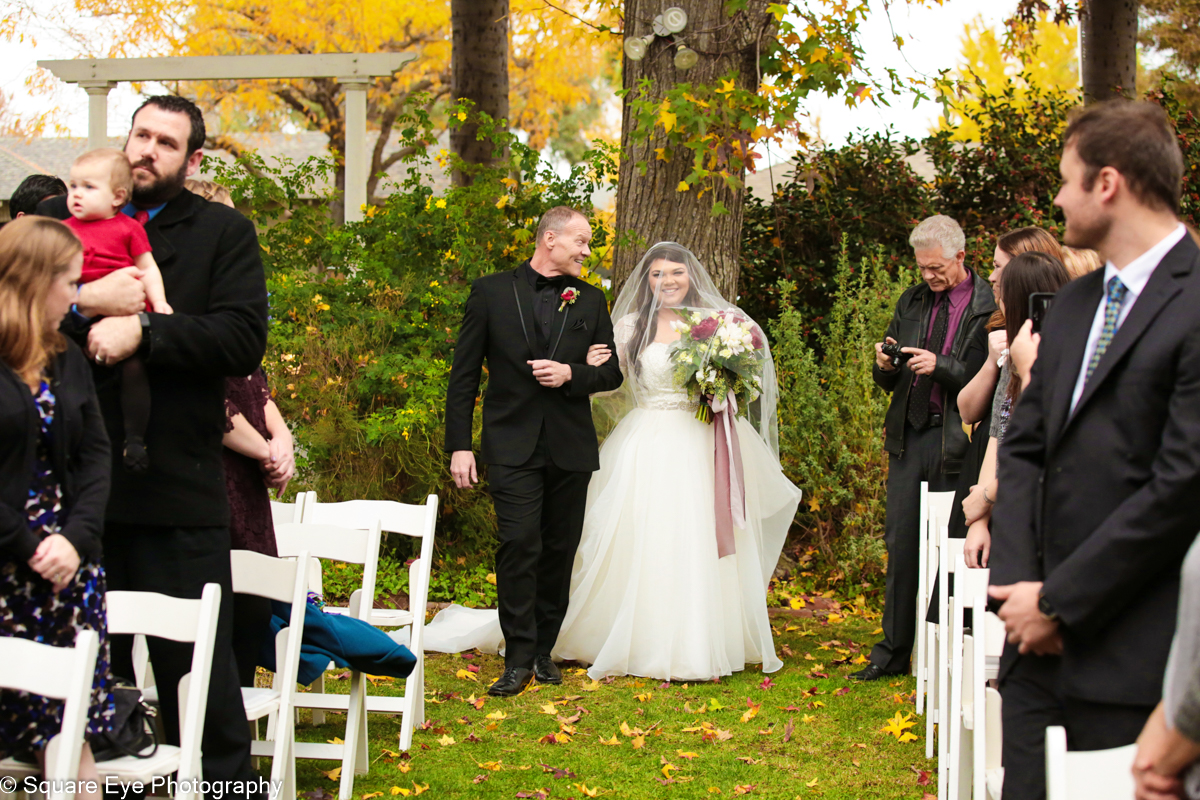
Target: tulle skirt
x: 649, y: 596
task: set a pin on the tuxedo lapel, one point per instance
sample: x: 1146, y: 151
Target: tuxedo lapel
x: 523, y: 298
x: 1074, y: 346
x: 1160, y: 290
x: 566, y: 312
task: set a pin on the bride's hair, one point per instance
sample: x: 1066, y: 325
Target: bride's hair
x: 646, y: 305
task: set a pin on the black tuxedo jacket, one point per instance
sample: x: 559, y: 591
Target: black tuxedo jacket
x: 1102, y: 503
x: 498, y: 326
x: 209, y: 257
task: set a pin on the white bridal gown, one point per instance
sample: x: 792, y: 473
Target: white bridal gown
x: 649, y: 596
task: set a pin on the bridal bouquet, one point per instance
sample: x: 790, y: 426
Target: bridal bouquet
x: 718, y: 352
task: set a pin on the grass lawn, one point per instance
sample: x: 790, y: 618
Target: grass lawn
x: 805, y: 732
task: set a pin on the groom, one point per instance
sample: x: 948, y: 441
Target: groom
x: 533, y: 325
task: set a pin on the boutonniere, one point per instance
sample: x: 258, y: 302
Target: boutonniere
x: 568, y: 297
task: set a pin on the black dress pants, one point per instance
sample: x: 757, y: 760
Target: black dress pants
x: 1032, y: 701
x: 178, y: 562
x: 921, y: 461
x: 539, y: 511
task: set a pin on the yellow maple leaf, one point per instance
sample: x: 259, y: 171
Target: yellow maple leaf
x: 502, y: 202
x: 583, y: 789
x: 860, y: 660
x: 548, y: 708
x: 420, y: 788
x: 682, y: 187
x: 333, y: 774
x: 405, y: 766
x: 667, y: 769
x: 644, y: 697
x: 497, y: 714
x: 908, y: 736
x: 666, y: 117
x: 613, y: 740
x: 591, y: 687
x: 811, y: 783
x: 807, y: 718
x: 446, y: 741
x: 727, y: 86
x: 686, y: 754
x: 750, y: 713
x: 897, y: 724
x: 369, y: 795
x: 494, y: 766
x: 796, y: 602
x: 466, y: 674
x: 639, y: 742
x: 396, y: 790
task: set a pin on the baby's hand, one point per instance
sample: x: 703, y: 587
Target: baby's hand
x: 162, y: 308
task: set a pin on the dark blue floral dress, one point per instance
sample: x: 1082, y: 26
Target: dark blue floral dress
x: 31, y: 609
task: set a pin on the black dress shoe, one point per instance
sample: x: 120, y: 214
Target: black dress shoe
x: 546, y: 671
x: 871, y: 673
x: 512, y: 682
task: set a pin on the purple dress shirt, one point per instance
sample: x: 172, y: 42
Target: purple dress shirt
x: 959, y: 298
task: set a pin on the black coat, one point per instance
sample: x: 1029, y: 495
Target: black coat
x: 910, y: 327
x: 1103, y: 503
x: 515, y: 407
x: 79, y: 452
x: 209, y: 257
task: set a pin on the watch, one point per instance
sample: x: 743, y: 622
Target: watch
x: 144, y: 347
x: 1046, y: 610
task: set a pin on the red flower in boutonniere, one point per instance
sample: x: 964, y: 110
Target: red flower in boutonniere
x: 568, y: 297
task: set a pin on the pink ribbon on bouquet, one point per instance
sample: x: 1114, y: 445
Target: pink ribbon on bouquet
x: 730, y: 482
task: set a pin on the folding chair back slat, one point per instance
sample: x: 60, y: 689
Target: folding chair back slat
x: 392, y: 516
x: 1087, y: 775
x: 264, y: 576
x: 288, y: 512
x: 153, y: 614
x: 334, y: 542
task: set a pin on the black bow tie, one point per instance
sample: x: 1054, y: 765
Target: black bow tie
x: 542, y: 282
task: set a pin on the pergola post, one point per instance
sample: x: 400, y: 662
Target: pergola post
x: 355, y: 196
x: 97, y: 111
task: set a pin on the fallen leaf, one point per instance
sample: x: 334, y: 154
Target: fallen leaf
x: 396, y: 790
x: 558, y: 773
x: 686, y: 755
x: 924, y: 777
x: 548, y: 708
x: 812, y: 783
x: 479, y: 779
x: 896, y: 726
x: 333, y: 774
x: 445, y: 741
x: 789, y: 730
x: 420, y: 788
x: 494, y: 766
x: 747, y: 789
x: 842, y: 691
x: 405, y: 766
x: 807, y: 718
x: 751, y: 712
x: 715, y: 705
x: 583, y: 789
x: 369, y: 795
x: 591, y: 687
x: 335, y: 740
x: 639, y: 742
x: 466, y: 675
x: 668, y: 768
x: 497, y: 714
x: 751, y: 760
x: 767, y: 683
x: 645, y: 697
x: 613, y: 740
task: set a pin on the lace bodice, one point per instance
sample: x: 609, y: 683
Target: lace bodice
x: 657, y: 380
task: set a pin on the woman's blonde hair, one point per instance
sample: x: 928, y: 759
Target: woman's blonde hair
x: 1080, y: 262
x: 33, y: 252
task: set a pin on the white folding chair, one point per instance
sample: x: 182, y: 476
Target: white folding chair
x: 288, y: 512
x: 64, y: 673
x: 351, y: 546
x: 409, y: 520
x: 968, y: 759
x: 283, y: 580
x: 949, y: 555
x: 180, y: 620
x: 933, y: 505
x: 1087, y: 774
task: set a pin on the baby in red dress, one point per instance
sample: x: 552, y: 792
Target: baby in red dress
x: 101, y: 184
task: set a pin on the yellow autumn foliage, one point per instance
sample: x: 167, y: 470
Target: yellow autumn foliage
x: 1050, y: 61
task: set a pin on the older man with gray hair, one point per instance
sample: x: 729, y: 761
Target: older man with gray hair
x: 939, y: 325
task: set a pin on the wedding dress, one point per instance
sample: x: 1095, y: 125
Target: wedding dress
x: 649, y: 596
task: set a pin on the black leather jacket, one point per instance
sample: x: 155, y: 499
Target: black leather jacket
x: 909, y: 327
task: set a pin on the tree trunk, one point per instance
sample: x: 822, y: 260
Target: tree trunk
x: 649, y: 208
x: 478, y: 72
x: 1108, y: 41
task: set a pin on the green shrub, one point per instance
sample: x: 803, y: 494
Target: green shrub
x: 831, y: 415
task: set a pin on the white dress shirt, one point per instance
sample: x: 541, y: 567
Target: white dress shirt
x: 1135, y: 276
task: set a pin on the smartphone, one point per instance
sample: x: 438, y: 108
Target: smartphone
x: 1039, y: 304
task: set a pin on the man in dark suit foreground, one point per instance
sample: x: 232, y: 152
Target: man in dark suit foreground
x: 533, y: 325
x: 1100, y: 472
x: 166, y: 530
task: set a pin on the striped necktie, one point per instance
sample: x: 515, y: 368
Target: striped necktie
x: 1112, y: 312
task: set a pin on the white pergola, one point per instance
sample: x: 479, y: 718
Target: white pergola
x: 97, y: 76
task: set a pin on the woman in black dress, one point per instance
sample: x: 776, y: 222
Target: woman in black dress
x: 54, y: 476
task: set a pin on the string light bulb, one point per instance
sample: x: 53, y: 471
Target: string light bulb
x: 685, y: 58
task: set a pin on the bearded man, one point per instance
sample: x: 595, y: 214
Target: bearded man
x: 166, y: 529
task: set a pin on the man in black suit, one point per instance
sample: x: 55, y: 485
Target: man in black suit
x: 533, y: 325
x: 166, y: 529
x: 941, y: 323
x: 1100, y: 471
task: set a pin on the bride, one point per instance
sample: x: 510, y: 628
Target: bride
x: 678, y: 544
x: 670, y: 580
